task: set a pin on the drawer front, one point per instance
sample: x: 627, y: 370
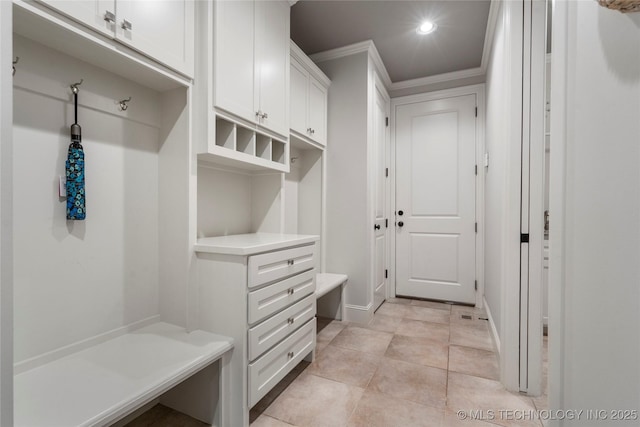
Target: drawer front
x: 265, y: 268
x: 271, y: 368
x: 269, y: 300
x: 270, y: 332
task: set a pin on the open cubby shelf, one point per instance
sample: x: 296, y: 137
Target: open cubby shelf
x: 243, y: 147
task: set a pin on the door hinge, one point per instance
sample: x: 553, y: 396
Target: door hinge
x: 386, y: 274
x: 476, y: 284
x: 386, y: 121
x: 476, y: 169
x: 524, y: 237
x: 476, y: 111
x: 476, y: 227
x: 386, y: 223
x: 386, y: 172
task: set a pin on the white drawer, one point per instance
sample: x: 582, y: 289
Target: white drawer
x: 268, y: 300
x: 271, y: 368
x: 268, y: 333
x: 265, y: 268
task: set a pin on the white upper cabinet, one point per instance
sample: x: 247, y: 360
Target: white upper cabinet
x: 309, y: 88
x: 251, y: 62
x: 234, y: 58
x: 299, y: 97
x: 160, y: 29
x: 97, y: 14
x: 272, y: 64
x: 317, y: 111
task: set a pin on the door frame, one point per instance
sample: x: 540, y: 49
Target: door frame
x: 377, y: 85
x: 479, y: 91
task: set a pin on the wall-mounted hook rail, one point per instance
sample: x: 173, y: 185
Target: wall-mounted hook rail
x: 124, y: 104
x: 74, y: 87
x: 13, y: 73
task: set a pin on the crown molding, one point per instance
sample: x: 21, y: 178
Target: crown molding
x: 438, y: 78
x: 489, y: 34
x: 366, y: 46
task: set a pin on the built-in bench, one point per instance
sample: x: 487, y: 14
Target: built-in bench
x: 325, y: 283
x: 102, y: 384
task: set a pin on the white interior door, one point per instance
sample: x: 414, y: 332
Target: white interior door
x: 380, y: 189
x: 435, y: 199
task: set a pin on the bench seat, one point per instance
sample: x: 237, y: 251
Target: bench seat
x: 102, y: 384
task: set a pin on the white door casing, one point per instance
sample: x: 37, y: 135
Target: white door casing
x: 380, y: 194
x: 435, y: 192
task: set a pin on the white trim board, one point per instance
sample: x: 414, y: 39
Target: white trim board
x: 358, y: 313
x: 492, y: 328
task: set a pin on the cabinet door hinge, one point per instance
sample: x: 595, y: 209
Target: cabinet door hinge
x: 476, y: 169
x: 386, y: 274
x: 476, y: 111
x: 386, y: 121
x: 476, y: 285
x: 386, y: 223
x: 476, y: 227
x: 386, y: 172
x: 524, y: 238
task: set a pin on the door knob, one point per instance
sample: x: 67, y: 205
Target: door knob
x: 400, y: 213
x: 377, y: 226
x: 400, y: 224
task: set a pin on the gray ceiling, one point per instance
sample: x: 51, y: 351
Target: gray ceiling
x: 319, y: 25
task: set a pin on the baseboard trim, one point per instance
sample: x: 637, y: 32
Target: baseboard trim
x: 492, y: 326
x: 359, y: 313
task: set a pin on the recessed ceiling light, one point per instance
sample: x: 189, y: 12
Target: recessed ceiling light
x: 426, y: 27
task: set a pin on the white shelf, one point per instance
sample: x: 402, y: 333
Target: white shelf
x: 103, y: 383
x: 243, y: 147
x: 253, y: 243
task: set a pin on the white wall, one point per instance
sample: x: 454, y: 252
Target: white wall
x: 234, y: 202
x: 6, y: 215
x: 75, y: 280
x: 502, y: 186
x: 347, y: 214
x: 595, y: 228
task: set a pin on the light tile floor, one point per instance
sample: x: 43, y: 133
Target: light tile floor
x: 416, y: 364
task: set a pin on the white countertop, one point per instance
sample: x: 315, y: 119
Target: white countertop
x: 249, y: 244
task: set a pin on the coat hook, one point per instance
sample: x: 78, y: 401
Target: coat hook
x: 74, y: 87
x: 124, y: 104
x: 13, y: 73
x: 293, y: 160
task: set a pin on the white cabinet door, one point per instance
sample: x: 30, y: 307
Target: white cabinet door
x: 299, y: 97
x: 234, y: 58
x: 93, y: 13
x: 317, y: 111
x: 272, y: 64
x: 162, y: 30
